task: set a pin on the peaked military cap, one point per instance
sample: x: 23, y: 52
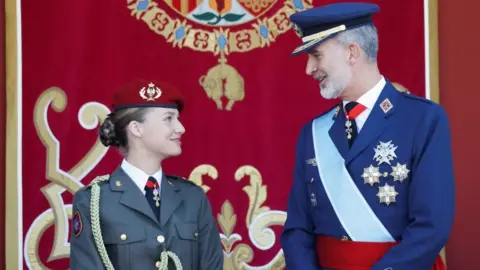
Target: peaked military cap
x: 316, y: 25
x: 144, y: 93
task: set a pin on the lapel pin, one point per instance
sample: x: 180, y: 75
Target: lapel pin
x: 336, y: 111
x: 313, y: 200
x: 118, y: 183
x: 311, y: 161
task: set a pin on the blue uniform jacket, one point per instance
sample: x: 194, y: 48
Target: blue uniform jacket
x: 422, y: 216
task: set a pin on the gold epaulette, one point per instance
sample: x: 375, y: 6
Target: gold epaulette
x: 401, y: 88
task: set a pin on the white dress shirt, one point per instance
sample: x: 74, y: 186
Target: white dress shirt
x: 139, y: 177
x: 368, y: 100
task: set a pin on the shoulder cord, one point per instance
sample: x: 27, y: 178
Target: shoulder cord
x: 95, y: 222
x: 97, y: 232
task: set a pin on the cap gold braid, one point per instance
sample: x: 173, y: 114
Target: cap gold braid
x: 97, y: 232
x: 314, y: 38
x: 323, y: 34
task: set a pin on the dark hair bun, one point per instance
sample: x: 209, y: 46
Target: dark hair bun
x: 107, y: 133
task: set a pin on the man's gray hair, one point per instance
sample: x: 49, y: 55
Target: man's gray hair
x: 365, y: 36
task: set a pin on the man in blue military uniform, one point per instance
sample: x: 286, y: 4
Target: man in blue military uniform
x: 373, y: 181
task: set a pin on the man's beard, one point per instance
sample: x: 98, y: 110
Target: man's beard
x: 332, y: 86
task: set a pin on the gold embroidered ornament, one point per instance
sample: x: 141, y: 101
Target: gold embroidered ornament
x: 208, y: 26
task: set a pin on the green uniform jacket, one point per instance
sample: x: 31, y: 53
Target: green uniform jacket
x: 132, y: 235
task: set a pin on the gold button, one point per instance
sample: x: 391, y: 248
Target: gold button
x: 161, y: 239
x: 157, y: 264
x: 123, y: 237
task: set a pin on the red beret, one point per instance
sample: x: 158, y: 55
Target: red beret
x: 143, y: 93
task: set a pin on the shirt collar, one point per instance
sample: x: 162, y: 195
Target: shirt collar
x: 369, y: 98
x: 138, y: 176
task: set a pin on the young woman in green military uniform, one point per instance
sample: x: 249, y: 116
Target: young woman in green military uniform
x: 138, y: 217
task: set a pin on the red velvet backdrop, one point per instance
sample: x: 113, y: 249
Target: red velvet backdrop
x: 76, y: 53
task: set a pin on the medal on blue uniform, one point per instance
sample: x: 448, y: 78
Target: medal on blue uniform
x: 399, y: 172
x: 313, y: 200
x: 351, y: 115
x: 385, y: 152
x: 353, y: 211
x: 371, y: 175
x: 387, y: 194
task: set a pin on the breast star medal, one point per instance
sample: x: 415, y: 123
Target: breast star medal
x: 399, y: 172
x: 371, y: 175
x: 385, y: 152
x: 387, y: 194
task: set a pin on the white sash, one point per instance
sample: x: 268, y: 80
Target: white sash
x: 354, y: 213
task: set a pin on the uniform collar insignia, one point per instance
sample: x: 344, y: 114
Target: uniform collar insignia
x: 337, y: 109
x: 386, y: 105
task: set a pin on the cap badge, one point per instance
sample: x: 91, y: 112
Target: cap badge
x: 151, y: 93
x: 297, y: 30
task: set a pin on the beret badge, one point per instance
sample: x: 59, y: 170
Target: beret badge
x: 150, y: 93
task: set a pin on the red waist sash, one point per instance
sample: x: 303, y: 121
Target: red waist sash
x: 348, y: 255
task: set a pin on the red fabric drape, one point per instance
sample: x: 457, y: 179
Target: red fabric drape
x: 87, y: 49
